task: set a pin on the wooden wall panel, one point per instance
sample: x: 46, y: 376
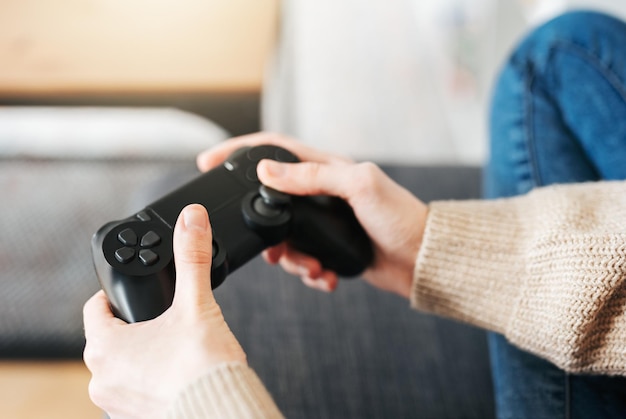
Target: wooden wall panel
x: 134, y: 46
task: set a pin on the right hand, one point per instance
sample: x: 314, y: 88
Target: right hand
x: 393, y: 218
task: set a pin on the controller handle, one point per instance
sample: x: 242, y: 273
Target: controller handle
x: 326, y: 228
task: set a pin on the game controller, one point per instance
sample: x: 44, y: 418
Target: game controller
x: 134, y: 259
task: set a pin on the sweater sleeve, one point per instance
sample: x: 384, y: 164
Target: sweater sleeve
x: 230, y: 390
x: 547, y: 270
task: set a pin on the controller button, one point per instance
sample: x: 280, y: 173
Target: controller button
x: 127, y: 237
x: 251, y: 174
x: 143, y: 216
x: 124, y: 254
x: 148, y: 257
x: 150, y: 239
x: 285, y: 156
x: 214, y: 248
x: 259, y: 153
x: 262, y: 208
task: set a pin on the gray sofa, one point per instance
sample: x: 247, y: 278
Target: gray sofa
x: 357, y: 353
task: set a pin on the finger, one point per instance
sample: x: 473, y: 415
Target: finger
x: 297, y: 264
x: 193, y: 258
x: 273, y: 254
x: 346, y: 181
x: 216, y: 155
x: 307, y: 268
x: 300, y: 264
x: 97, y: 314
x: 326, y: 282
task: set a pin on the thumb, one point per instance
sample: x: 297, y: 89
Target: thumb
x: 193, y: 258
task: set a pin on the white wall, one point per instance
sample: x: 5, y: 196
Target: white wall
x: 402, y: 80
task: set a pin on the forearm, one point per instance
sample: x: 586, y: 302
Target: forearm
x: 548, y: 270
x: 227, y: 391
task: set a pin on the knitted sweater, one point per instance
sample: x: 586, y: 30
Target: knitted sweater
x: 547, y: 270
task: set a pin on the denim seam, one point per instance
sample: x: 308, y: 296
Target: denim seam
x: 531, y: 161
x: 594, y: 61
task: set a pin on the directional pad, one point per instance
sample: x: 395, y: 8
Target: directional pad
x: 127, y: 237
x: 124, y: 254
x: 150, y: 239
x: 137, y: 246
x: 148, y: 257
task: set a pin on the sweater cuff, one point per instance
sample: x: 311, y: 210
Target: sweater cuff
x: 468, y: 267
x: 231, y: 390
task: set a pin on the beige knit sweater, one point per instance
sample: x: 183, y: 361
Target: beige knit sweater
x: 547, y: 270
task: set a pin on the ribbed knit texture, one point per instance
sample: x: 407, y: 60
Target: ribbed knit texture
x: 548, y: 270
x: 228, y: 391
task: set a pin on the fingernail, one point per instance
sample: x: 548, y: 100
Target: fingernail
x: 275, y: 169
x: 195, y: 218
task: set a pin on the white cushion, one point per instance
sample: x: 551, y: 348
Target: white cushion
x: 104, y: 132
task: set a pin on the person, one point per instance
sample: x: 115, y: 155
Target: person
x: 541, y: 263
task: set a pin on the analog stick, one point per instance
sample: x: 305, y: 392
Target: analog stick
x: 270, y: 202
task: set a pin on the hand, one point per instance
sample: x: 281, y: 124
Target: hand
x: 138, y: 369
x: 393, y: 218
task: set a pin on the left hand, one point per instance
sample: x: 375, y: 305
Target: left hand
x: 138, y: 369
x: 393, y: 218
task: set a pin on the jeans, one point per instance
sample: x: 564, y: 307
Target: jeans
x: 558, y: 116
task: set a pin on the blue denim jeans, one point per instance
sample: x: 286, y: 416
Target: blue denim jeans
x: 558, y: 116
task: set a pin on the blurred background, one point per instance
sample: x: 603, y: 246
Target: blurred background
x: 403, y: 81
x: 407, y: 81
x: 100, y: 97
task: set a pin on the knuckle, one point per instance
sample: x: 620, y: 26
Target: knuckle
x: 310, y: 173
x: 311, y: 170
x: 88, y: 355
x: 96, y: 393
x: 367, y: 177
x: 368, y: 171
x: 196, y: 256
x: 92, y: 355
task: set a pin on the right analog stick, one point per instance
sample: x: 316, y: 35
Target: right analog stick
x: 270, y: 202
x: 268, y: 213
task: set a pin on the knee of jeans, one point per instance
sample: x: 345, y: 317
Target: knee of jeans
x: 584, y: 28
x: 573, y: 24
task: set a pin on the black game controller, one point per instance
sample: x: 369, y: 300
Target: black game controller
x: 134, y: 257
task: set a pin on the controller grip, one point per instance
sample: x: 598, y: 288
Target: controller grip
x: 326, y: 228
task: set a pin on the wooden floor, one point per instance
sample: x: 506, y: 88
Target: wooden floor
x: 50, y: 390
